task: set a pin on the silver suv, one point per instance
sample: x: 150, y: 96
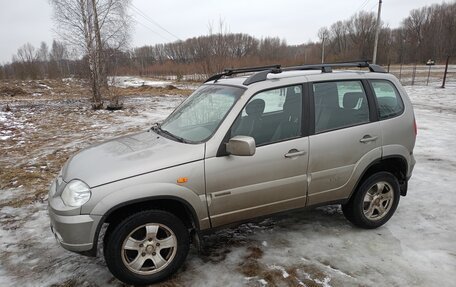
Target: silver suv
x: 240, y: 147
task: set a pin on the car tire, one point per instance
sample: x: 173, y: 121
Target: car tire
x: 146, y: 247
x: 374, y: 202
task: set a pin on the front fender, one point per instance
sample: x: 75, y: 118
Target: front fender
x: 158, y: 184
x: 143, y: 192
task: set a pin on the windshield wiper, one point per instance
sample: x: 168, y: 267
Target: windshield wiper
x: 157, y: 128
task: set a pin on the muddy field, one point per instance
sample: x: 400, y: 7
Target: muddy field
x: 314, y: 248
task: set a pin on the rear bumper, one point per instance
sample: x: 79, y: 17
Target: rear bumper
x: 74, y: 232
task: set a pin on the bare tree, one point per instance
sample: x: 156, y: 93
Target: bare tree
x: 362, y: 31
x: 26, y: 53
x: 27, y: 56
x: 58, y: 60
x: 414, y: 25
x: 323, y: 34
x: 43, y: 52
x: 42, y: 56
x: 58, y: 51
x: 94, y: 26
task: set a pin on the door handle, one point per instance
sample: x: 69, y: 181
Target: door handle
x: 294, y: 152
x: 368, y: 138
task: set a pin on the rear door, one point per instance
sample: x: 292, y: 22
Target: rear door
x: 346, y: 136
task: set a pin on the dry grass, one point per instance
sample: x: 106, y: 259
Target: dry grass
x: 45, y: 89
x: 41, y: 132
x: 11, y: 91
x: 295, y: 275
x: 146, y: 90
x: 75, y: 89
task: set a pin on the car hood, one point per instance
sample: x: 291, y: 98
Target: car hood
x: 129, y: 156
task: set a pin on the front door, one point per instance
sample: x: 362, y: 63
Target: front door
x: 274, y: 179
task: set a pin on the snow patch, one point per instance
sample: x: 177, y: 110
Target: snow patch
x: 126, y: 82
x: 43, y: 86
x: 8, y: 194
x: 280, y: 268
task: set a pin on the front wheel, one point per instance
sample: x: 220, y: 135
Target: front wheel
x: 374, y: 202
x: 146, y: 247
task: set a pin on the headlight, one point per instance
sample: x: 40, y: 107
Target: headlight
x: 76, y: 193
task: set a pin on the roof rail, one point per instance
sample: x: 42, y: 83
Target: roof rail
x: 231, y: 71
x: 327, y: 67
x: 263, y: 71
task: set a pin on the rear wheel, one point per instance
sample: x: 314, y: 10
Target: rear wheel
x: 374, y: 202
x: 146, y: 247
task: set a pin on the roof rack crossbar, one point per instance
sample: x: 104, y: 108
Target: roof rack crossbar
x: 261, y: 76
x: 251, y: 69
x: 231, y: 71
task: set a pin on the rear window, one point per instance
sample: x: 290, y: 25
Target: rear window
x: 388, y: 99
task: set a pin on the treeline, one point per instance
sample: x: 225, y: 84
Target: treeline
x: 43, y: 62
x: 212, y: 53
x: 427, y: 33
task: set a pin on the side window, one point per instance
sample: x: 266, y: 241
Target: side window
x: 339, y: 104
x: 271, y: 116
x: 389, y: 102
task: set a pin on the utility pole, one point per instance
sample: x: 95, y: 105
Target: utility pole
x: 374, y: 57
x: 323, y: 34
x: 323, y: 51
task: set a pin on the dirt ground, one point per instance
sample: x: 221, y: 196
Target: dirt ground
x: 43, y: 119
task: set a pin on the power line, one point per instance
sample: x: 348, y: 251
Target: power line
x: 363, y: 5
x: 152, y: 30
x: 373, y: 6
x: 139, y: 12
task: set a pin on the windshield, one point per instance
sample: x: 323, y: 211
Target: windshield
x: 199, y: 116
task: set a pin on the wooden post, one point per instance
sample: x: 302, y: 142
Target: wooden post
x: 446, y: 71
x: 413, y: 74
x: 429, y: 73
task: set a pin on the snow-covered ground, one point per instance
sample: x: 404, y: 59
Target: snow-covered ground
x: 417, y: 247
x: 125, y: 81
x: 136, y: 82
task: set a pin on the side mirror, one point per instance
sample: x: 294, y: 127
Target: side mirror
x: 241, y: 145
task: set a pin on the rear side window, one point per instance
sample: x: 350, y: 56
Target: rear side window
x: 389, y: 102
x: 339, y: 104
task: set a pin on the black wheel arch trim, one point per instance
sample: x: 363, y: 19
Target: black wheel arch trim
x: 93, y: 252
x: 376, y: 161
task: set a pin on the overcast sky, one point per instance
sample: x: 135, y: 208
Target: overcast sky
x: 296, y: 21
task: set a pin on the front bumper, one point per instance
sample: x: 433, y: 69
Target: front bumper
x: 74, y: 232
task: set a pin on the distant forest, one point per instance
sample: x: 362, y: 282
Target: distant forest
x: 427, y: 33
